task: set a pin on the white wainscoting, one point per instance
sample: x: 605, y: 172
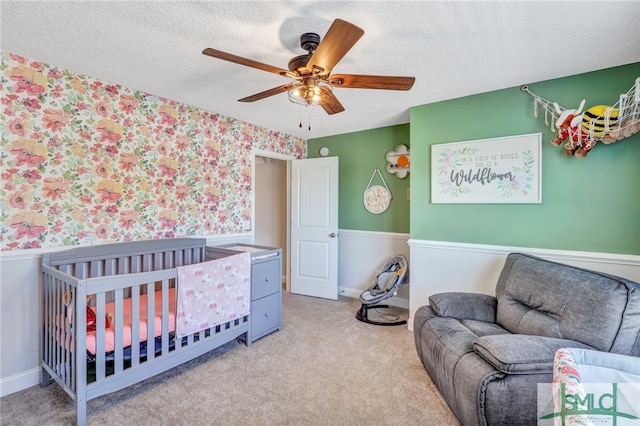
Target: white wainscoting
x: 438, y: 266
x: 434, y: 266
x: 20, y: 313
x: 362, y: 254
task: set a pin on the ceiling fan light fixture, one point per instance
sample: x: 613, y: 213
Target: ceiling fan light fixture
x: 310, y: 92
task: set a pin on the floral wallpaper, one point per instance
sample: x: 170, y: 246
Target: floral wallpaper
x: 84, y: 161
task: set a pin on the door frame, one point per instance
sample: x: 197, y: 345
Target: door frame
x: 287, y: 158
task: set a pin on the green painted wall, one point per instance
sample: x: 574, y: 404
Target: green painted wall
x: 590, y: 204
x: 360, y: 153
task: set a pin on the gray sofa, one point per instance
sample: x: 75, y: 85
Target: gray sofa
x: 486, y: 354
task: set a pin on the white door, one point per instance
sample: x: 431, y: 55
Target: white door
x: 314, y: 227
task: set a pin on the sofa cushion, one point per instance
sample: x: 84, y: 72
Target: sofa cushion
x: 519, y: 316
x: 539, y: 297
x: 474, y: 306
x: 483, y: 328
x: 520, y: 353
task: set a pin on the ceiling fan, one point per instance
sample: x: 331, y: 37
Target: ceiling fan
x: 314, y: 82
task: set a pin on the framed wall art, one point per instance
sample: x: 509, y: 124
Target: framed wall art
x: 498, y: 170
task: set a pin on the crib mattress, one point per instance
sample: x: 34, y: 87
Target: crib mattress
x: 109, y: 338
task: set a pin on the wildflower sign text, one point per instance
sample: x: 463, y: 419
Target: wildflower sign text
x: 499, y: 170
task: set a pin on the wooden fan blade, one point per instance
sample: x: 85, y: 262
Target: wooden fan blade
x: 330, y: 103
x: 243, y: 61
x: 339, y: 39
x: 371, y: 82
x: 267, y: 93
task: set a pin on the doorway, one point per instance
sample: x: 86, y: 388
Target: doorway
x: 272, y: 183
x: 271, y: 205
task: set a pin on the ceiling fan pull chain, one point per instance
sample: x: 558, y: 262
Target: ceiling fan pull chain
x: 309, y: 119
x: 300, y: 110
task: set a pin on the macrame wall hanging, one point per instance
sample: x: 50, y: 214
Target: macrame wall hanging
x: 580, y: 129
x: 377, y: 198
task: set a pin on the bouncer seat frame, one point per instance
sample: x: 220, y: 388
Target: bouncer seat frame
x: 392, y: 276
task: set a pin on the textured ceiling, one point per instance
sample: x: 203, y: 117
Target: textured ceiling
x: 453, y: 49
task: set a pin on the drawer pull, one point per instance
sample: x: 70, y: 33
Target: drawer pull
x: 266, y: 314
x: 266, y: 279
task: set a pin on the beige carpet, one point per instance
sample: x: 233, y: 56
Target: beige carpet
x: 323, y: 368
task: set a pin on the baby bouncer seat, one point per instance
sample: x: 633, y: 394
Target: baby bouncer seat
x: 393, y: 275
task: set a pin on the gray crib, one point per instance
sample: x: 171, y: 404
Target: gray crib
x: 121, y: 277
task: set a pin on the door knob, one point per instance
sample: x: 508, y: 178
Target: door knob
x: 332, y: 235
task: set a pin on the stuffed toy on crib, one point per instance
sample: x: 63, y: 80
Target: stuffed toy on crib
x: 91, y: 314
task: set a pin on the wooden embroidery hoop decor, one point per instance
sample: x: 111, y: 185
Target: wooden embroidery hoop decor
x: 377, y: 198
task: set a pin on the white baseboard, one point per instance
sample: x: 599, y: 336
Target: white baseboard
x: 399, y: 302
x: 20, y: 381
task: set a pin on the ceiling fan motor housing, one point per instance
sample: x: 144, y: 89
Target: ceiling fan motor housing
x: 309, y: 41
x: 299, y: 63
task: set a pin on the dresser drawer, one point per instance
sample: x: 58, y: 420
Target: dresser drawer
x: 266, y: 315
x: 266, y: 278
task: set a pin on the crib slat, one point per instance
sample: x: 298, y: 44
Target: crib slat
x: 96, y: 268
x: 135, y: 325
x: 54, y: 330
x: 65, y: 338
x: 136, y: 264
x: 65, y: 335
x: 123, y: 269
x: 123, y: 265
x: 57, y: 314
x: 46, y: 315
x: 85, y: 270
x: 111, y: 266
x: 74, y: 359
x: 165, y: 317
x: 118, y: 328
x: 68, y: 269
x: 150, y: 322
x: 68, y: 328
x: 147, y: 262
x: 80, y: 336
x: 158, y: 261
x: 101, y: 364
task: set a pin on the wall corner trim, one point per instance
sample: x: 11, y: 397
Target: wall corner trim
x: 560, y: 255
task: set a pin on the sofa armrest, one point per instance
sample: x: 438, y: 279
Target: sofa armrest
x: 471, y: 306
x: 521, y: 353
